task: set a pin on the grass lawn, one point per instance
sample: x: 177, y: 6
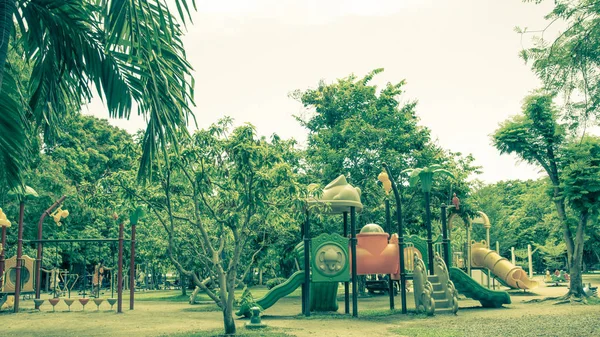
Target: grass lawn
x: 167, y: 313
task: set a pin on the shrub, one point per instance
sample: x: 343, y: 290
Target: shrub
x: 274, y: 282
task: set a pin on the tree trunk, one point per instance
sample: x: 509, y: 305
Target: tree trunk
x: 229, y: 286
x: 576, y: 282
x: 7, y: 9
x: 228, y: 322
x: 260, y: 272
x: 183, y: 283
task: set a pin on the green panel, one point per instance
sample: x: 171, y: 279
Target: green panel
x: 420, y: 245
x: 323, y: 296
x: 329, y: 258
x: 470, y: 288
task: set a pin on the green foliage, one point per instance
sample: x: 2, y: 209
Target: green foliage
x: 520, y: 213
x: 128, y: 51
x: 570, y: 63
x: 218, y: 202
x: 581, y: 171
x: 535, y: 135
x: 275, y: 282
x: 354, y: 127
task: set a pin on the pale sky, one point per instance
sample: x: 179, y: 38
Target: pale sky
x: 459, y: 58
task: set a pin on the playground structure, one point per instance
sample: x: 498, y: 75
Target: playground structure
x: 23, y: 275
x: 479, y: 257
x: 332, y: 258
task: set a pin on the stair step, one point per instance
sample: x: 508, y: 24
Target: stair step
x: 439, y: 295
x: 442, y: 304
x: 437, y: 286
x: 443, y: 310
x: 433, y: 278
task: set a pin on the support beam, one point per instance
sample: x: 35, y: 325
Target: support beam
x: 388, y: 226
x: 400, y: 238
x: 120, y: 272
x: 346, y: 284
x: 132, y: 269
x: 445, y: 240
x: 38, y: 260
x: 306, y: 295
x: 353, y: 249
x: 19, y: 256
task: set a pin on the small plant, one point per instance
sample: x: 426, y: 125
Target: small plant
x: 274, y: 282
x: 246, y: 302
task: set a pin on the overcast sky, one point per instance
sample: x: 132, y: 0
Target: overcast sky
x: 459, y: 58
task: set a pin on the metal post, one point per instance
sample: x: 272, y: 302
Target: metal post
x: 512, y: 255
x: 529, y: 257
x: 346, y: 284
x: 445, y: 240
x: 468, y: 249
x: 388, y: 225
x: 19, y: 256
x: 306, y: 295
x: 132, y: 268
x: 400, y: 238
x: 353, y: 250
x: 120, y: 272
x: 2, y: 255
x: 40, y: 249
x: 429, y: 234
x: 303, y: 288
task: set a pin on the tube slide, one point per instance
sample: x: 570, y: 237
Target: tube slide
x: 277, y: 292
x: 514, y: 276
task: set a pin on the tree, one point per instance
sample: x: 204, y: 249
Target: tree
x: 570, y: 63
x: 537, y: 138
x: 353, y: 128
x: 522, y: 213
x: 129, y: 51
x: 227, y: 188
x: 581, y: 188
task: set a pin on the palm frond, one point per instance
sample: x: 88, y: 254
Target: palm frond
x: 13, y: 128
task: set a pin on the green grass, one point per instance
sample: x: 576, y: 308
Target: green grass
x: 593, y: 300
x: 175, y: 295
x: 427, y: 332
x: 241, y: 332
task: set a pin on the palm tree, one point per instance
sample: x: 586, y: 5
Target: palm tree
x: 127, y: 52
x: 425, y: 176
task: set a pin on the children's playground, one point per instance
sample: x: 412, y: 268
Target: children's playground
x: 430, y: 286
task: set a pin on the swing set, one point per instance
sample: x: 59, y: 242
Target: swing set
x: 24, y: 272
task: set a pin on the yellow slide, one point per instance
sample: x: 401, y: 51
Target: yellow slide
x: 514, y: 276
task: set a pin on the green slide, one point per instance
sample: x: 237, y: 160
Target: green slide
x: 276, y: 293
x: 470, y: 288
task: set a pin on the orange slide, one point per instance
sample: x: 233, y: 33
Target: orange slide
x: 514, y: 276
